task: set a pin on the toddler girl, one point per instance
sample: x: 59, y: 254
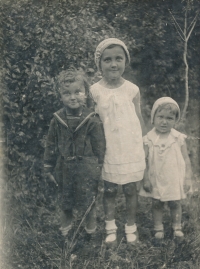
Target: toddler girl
x: 75, y: 146
x: 168, y: 172
x: 117, y: 101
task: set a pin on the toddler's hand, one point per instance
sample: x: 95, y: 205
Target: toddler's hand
x: 147, y: 186
x: 186, y: 188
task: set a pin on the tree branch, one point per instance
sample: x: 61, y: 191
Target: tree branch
x: 178, y: 26
x: 195, y: 17
x: 194, y: 23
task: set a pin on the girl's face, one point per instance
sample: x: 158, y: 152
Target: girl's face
x: 113, y: 62
x: 73, y: 95
x: 164, y: 120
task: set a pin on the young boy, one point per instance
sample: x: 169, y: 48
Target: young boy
x: 76, y: 144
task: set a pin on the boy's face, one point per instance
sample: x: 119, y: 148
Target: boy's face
x: 164, y: 120
x: 73, y: 95
x: 113, y: 61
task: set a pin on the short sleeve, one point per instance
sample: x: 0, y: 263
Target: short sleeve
x: 94, y: 96
x: 145, y: 140
x: 132, y: 89
x: 93, y: 93
x: 181, y: 139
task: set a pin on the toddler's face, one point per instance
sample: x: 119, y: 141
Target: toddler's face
x: 113, y: 62
x: 164, y: 120
x: 73, y: 95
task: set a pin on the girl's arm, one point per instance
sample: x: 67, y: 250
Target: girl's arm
x: 146, y: 182
x: 136, y: 101
x: 188, y: 169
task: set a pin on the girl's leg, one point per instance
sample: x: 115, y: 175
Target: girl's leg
x: 157, y: 210
x: 130, y: 192
x: 110, y: 192
x: 176, y: 215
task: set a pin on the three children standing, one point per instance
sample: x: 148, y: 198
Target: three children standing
x: 76, y: 141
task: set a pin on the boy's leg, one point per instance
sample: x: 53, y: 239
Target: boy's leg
x: 66, y: 218
x: 130, y: 192
x: 66, y: 215
x: 157, y: 210
x: 176, y: 215
x: 91, y: 220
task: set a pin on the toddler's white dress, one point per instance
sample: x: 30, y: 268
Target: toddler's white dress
x: 166, y: 166
x: 124, y: 158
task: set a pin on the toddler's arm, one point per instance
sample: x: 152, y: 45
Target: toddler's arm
x: 188, y: 170
x: 146, y: 182
x: 136, y: 101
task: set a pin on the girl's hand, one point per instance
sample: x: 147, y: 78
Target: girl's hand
x: 147, y: 185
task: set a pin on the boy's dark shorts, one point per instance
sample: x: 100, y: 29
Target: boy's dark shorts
x: 80, y: 183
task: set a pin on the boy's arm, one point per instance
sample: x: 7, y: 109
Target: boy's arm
x: 146, y: 182
x: 188, y: 169
x: 50, y: 148
x: 136, y: 101
x: 97, y: 139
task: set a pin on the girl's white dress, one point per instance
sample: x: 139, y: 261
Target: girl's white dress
x: 124, y: 158
x: 166, y: 166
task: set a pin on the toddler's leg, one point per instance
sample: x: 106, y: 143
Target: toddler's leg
x: 110, y: 192
x: 130, y: 192
x: 176, y: 215
x: 157, y: 210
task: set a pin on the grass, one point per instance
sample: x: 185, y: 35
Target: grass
x: 31, y: 237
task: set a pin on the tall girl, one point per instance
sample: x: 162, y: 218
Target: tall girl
x: 117, y: 101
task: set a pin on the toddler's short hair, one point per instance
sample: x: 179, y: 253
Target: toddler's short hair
x: 72, y: 75
x: 170, y: 107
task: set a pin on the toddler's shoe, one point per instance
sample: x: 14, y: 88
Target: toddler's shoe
x: 177, y: 232
x: 132, y: 236
x: 178, y: 235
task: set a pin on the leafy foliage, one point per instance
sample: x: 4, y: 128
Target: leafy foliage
x: 41, y: 38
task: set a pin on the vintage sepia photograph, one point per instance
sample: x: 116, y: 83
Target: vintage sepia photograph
x: 100, y: 134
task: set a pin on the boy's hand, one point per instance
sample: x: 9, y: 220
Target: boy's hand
x: 147, y: 185
x: 50, y: 177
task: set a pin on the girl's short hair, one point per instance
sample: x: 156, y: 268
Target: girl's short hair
x: 70, y: 76
x: 170, y: 107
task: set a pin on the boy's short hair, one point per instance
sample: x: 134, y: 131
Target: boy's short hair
x: 72, y: 75
x: 170, y: 107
